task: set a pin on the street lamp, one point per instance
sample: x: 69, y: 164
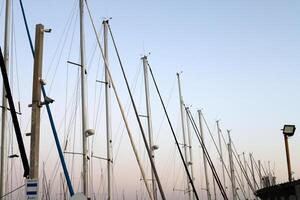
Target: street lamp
x: 288, y: 131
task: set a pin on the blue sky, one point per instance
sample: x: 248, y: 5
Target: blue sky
x: 240, y: 61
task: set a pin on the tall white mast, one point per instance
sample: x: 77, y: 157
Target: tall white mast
x: 182, y: 111
x: 3, y: 153
x: 84, y: 103
x: 108, y: 115
x: 231, y: 164
x: 221, y: 155
x: 149, y: 121
x: 204, y: 158
x: 190, y: 149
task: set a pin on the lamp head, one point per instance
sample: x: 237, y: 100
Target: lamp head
x: 289, y: 130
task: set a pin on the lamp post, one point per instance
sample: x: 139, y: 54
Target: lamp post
x: 288, y: 131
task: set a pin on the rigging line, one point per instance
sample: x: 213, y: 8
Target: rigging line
x: 13, y: 191
x: 138, y: 118
x: 74, y: 130
x: 69, y: 129
x: 61, y: 42
x: 92, y: 55
x: 67, y: 72
x: 172, y: 130
x: 26, y: 26
x: 214, y: 172
x: 59, y: 58
x: 72, y: 104
x: 65, y: 118
x: 96, y: 109
x: 127, y: 107
x: 167, y: 105
x: 121, y: 109
x: 1, y: 8
x: 167, y: 169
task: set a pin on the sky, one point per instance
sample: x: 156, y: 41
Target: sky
x: 239, y: 63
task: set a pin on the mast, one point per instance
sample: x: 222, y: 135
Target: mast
x: 149, y: 121
x: 84, y: 102
x: 231, y: 164
x: 204, y: 158
x: 259, y: 173
x: 108, y: 114
x: 3, y: 153
x: 246, y: 172
x: 190, y: 149
x: 183, y: 132
x: 242, y: 177
x: 221, y: 154
x: 36, y: 103
x: 252, y: 173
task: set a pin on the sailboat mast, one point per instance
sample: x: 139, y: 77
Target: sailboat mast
x: 259, y: 174
x: 108, y: 114
x: 36, y: 104
x: 246, y: 173
x: 84, y: 102
x: 221, y: 154
x: 3, y: 152
x: 190, y: 149
x: 149, y: 122
x: 231, y: 164
x: 182, y: 112
x: 252, y: 173
x: 204, y: 158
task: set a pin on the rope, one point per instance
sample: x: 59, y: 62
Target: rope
x: 12, y: 191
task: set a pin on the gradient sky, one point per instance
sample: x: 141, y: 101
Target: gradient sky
x: 240, y: 63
